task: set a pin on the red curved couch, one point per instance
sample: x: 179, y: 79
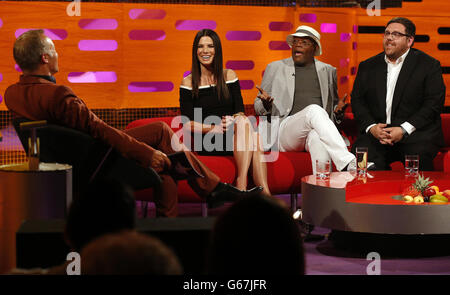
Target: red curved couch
x: 284, y: 175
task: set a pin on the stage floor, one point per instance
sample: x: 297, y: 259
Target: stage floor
x: 322, y: 258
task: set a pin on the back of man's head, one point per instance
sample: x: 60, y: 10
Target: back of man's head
x: 128, y: 253
x: 256, y: 236
x: 107, y: 206
x: 28, y: 49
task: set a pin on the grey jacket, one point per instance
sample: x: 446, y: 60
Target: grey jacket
x: 279, y: 82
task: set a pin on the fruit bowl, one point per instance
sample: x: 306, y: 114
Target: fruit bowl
x: 421, y: 191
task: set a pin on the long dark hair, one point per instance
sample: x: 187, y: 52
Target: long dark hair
x: 217, y: 65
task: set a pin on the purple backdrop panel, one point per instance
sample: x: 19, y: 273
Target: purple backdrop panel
x: 343, y: 62
x: 157, y: 86
x: 92, y: 77
x: 195, y: 25
x: 308, y: 17
x: 1, y: 77
x: 328, y: 28
x: 246, y: 84
x: 240, y: 64
x: 17, y: 68
x: 1, y: 98
x: 280, y: 26
x: 344, y: 79
x: 345, y: 37
x: 54, y: 34
x: 147, y: 13
x: 243, y: 35
x: 355, y: 29
x: 355, y: 45
x: 98, y: 24
x: 185, y: 74
x: 97, y: 45
x: 279, y: 45
x: 147, y: 35
x: 1, y: 23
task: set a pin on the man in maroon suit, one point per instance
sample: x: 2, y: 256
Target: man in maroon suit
x: 37, y: 97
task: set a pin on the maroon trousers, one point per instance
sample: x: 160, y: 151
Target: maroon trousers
x: 159, y: 136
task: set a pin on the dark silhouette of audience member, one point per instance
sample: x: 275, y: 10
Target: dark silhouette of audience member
x: 256, y: 236
x: 107, y: 206
x: 129, y: 253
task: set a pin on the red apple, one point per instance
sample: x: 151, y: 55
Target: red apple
x: 429, y: 191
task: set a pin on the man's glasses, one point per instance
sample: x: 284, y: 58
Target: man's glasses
x: 395, y: 35
x: 303, y: 43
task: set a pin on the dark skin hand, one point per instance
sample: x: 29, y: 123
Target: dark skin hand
x: 265, y: 98
x: 341, y: 105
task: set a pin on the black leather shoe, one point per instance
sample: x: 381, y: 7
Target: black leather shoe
x: 225, y: 192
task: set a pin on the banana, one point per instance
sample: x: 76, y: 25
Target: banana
x: 438, y: 198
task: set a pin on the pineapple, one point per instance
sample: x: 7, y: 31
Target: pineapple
x: 422, y: 184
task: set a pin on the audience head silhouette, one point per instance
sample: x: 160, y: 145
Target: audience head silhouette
x: 129, y: 253
x: 256, y: 236
x: 107, y: 206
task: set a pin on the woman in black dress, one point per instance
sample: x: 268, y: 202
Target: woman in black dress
x: 210, y: 97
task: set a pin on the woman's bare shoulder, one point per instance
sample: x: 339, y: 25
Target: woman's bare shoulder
x: 229, y: 74
x: 187, y: 81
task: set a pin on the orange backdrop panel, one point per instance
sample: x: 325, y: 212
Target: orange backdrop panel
x: 160, y: 60
x: 166, y: 60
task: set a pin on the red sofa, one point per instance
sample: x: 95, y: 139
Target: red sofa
x: 284, y: 175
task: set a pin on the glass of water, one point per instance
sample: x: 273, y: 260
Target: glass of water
x: 412, y: 165
x: 323, y: 169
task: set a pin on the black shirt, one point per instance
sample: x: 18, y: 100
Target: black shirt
x: 209, y: 104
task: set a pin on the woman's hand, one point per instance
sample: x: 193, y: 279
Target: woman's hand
x: 227, y: 121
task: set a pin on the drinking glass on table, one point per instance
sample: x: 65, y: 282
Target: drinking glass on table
x: 323, y: 169
x: 361, y: 160
x: 412, y: 165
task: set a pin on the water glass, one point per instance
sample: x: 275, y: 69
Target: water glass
x: 412, y: 165
x: 323, y: 169
x: 361, y: 160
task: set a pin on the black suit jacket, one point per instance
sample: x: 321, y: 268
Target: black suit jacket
x: 418, y: 97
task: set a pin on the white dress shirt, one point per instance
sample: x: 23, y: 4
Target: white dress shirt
x: 393, y: 71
